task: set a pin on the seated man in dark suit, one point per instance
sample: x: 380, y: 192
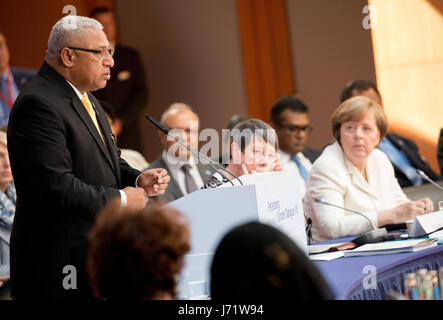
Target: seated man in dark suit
x: 289, y: 118
x: 402, y: 152
x: 127, y: 89
x: 12, y: 81
x: 187, y: 175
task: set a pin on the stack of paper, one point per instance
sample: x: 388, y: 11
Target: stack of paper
x: 318, y: 252
x: 391, y: 247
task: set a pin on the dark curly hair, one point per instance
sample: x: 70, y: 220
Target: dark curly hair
x: 137, y: 254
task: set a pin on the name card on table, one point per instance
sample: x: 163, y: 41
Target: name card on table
x: 428, y: 223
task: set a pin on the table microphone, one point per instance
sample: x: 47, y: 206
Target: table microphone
x: 346, y: 209
x: 373, y: 236
x: 424, y: 176
x: 214, y: 165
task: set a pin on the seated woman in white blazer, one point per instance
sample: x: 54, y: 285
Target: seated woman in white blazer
x: 352, y: 173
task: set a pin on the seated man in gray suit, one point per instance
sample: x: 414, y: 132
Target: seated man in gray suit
x: 187, y: 175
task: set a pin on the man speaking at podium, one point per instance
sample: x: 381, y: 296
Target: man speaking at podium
x: 66, y: 165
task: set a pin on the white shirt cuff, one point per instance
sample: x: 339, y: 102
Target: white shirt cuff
x: 123, y: 199
x: 136, y: 180
x: 136, y: 185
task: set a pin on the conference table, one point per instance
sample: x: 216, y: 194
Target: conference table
x: 347, y: 276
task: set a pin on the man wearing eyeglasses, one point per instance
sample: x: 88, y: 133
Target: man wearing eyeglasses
x: 66, y: 165
x: 289, y: 118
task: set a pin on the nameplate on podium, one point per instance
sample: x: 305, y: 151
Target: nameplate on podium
x: 271, y: 198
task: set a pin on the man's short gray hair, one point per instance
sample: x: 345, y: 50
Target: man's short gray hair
x: 175, y: 107
x: 67, y: 29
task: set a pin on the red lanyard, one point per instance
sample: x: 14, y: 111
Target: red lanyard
x: 9, y: 101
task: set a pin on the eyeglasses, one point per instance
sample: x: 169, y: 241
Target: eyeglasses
x: 100, y: 52
x: 296, y: 129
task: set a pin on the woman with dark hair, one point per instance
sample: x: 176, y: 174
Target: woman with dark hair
x: 258, y: 262
x: 253, y: 149
x: 137, y: 254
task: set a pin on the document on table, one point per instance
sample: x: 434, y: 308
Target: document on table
x: 327, y: 256
x: 391, y: 247
x: 316, y: 248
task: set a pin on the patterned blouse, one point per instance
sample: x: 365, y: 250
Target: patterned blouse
x: 215, y: 181
x: 7, y: 206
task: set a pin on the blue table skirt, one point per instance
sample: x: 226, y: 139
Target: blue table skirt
x: 345, y: 275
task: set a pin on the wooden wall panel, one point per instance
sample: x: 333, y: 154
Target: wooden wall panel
x: 266, y: 53
x: 408, y: 53
x: 191, y: 53
x: 329, y: 48
x: 27, y: 24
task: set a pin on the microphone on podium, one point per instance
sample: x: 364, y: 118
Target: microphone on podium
x: 373, y: 236
x: 214, y: 165
x: 424, y: 176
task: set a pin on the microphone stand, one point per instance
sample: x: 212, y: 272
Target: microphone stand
x: 356, y: 212
x: 373, y: 236
x: 214, y: 165
x: 424, y: 176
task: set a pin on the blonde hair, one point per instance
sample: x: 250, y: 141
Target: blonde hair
x: 353, y: 109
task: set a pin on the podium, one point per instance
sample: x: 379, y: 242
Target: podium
x: 271, y: 198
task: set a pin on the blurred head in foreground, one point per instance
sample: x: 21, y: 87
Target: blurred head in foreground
x: 257, y: 262
x: 137, y: 254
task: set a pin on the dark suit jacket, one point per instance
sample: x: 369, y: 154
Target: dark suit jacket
x: 173, y: 191
x: 311, y: 154
x: 410, y: 149
x: 22, y: 77
x: 64, y: 174
x: 440, y: 152
x: 127, y: 92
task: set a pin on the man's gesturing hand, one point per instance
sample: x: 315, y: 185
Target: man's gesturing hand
x: 154, y: 181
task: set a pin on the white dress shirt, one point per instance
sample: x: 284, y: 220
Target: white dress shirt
x: 288, y: 164
x: 134, y: 158
x: 334, y: 179
x: 176, y: 173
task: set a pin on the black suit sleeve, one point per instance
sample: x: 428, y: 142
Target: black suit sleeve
x: 410, y: 148
x: 425, y: 165
x: 128, y: 173
x: 39, y: 142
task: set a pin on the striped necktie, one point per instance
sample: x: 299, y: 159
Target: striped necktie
x: 88, y: 105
